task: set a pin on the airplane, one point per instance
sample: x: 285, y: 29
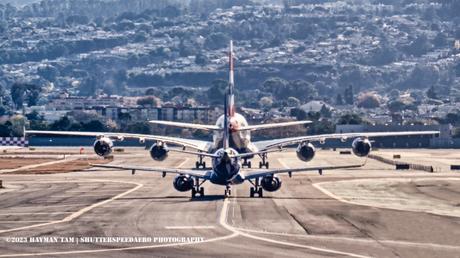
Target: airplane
x: 230, y: 149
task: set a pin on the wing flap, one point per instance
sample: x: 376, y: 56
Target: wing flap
x: 264, y: 172
x: 195, y: 173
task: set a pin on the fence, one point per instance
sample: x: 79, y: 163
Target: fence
x: 395, y: 163
x: 14, y: 141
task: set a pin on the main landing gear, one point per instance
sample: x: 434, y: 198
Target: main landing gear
x: 256, y: 189
x: 246, y: 163
x: 200, y: 164
x: 228, y: 191
x: 197, y: 189
x: 264, y: 162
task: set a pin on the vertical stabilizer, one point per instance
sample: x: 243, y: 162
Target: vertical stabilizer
x: 229, y: 104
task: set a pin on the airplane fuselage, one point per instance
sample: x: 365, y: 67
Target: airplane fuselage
x: 226, y: 170
x: 239, y: 140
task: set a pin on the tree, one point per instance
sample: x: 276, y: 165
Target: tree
x: 21, y: 92
x: 350, y: 119
x: 94, y: 126
x: 348, y: 95
x: 277, y: 87
x: 325, y: 111
x: 293, y: 102
x: 151, y: 101
x: 266, y: 102
x: 216, y: 92
x: 63, y: 124
x: 299, y: 114
x: 368, y: 100
x: 5, y: 130
x: 339, y: 99
x: 431, y: 93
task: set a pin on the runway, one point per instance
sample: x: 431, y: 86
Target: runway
x: 373, y: 211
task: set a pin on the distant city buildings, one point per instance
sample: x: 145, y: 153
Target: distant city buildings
x: 124, y: 109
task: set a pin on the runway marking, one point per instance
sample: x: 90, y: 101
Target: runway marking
x: 34, y: 213
x: 313, y: 248
x: 362, y: 240
x: 282, y: 163
x: 23, y: 221
x: 81, y: 211
x: 182, y: 163
x: 376, y: 205
x: 189, y: 227
x: 222, y: 221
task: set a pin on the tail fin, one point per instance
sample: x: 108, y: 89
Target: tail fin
x: 229, y: 103
x: 231, y: 83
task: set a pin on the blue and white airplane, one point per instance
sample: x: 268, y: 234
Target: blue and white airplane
x: 230, y: 149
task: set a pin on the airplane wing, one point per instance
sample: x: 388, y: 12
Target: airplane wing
x: 251, y: 174
x: 186, y: 125
x: 205, y: 174
x: 273, y: 125
x: 264, y: 145
x: 190, y: 143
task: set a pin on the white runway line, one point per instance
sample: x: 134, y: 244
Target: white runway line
x: 34, y: 213
x: 361, y: 240
x: 189, y: 227
x: 379, y: 205
x: 183, y: 163
x: 23, y: 221
x: 282, y: 163
x: 223, y: 222
x: 222, y: 219
x: 81, y: 211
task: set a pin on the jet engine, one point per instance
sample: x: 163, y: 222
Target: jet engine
x: 270, y: 183
x: 159, y: 152
x: 183, y: 183
x: 305, y: 151
x: 361, y: 147
x: 103, y: 146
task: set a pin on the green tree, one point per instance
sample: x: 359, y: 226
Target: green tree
x: 217, y: 91
x: 350, y: 119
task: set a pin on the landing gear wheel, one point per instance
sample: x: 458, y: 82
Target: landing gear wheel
x: 193, y: 192
x: 266, y: 165
x: 197, y: 165
x: 260, y: 193
x: 260, y: 164
x: 249, y: 164
x: 201, y: 191
x: 251, y: 192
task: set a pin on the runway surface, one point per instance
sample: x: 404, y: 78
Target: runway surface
x: 372, y: 211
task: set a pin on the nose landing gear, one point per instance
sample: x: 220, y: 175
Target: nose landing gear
x: 197, y: 189
x: 246, y: 163
x: 200, y: 164
x: 264, y: 162
x: 256, y: 189
x: 228, y: 191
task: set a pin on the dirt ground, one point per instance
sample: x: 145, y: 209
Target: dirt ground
x: 65, y: 167
x: 12, y: 163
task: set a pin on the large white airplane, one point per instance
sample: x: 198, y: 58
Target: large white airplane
x: 230, y: 149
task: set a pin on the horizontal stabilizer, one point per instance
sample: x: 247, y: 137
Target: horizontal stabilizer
x: 186, y: 125
x: 273, y: 125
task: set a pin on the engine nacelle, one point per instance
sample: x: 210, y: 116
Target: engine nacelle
x: 103, y: 146
x: 305, y: 152
x: 183, y: 183
x: 361, y: 147
x: 159, y: 152
x: 270, y: 183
